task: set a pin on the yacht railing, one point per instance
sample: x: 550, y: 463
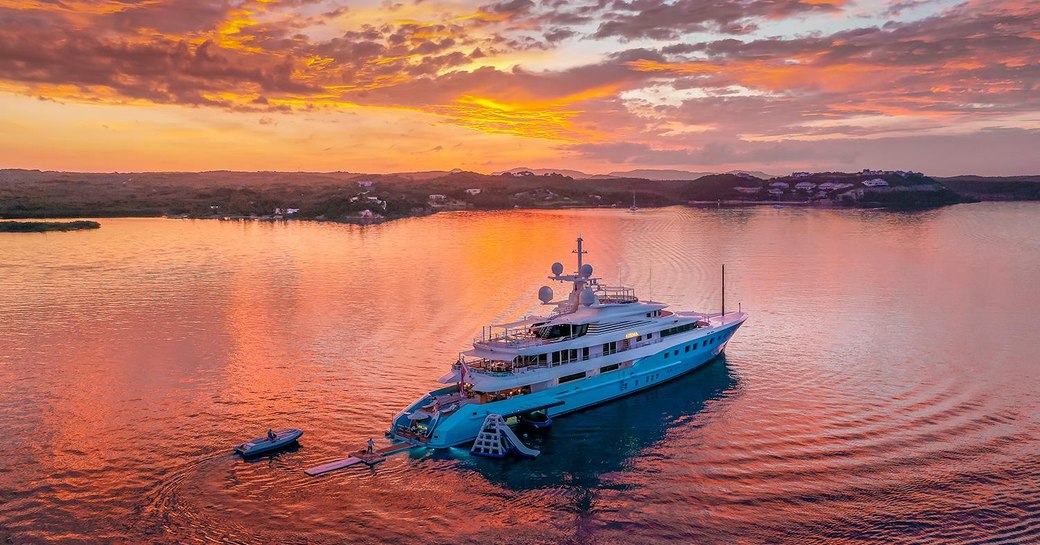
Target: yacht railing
x: 615, y: 294
x: 505, y: 369
x: 516, y: 337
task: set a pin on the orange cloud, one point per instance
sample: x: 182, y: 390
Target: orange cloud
x: 520, y: 71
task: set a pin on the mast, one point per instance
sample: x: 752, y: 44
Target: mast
x: 723, y: 292
x: 579, y: 251
x: 579, y: 282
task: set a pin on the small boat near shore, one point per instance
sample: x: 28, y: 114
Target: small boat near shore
x: 266, y: 445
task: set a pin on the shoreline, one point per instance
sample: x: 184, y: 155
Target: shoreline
x: 47, y: 226
x: 377, y: 221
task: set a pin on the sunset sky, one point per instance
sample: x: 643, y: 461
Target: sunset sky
x: 942, y: 86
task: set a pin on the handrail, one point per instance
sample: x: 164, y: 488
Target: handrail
x: 516, y: 368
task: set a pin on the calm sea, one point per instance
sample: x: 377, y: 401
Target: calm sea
x: 886, y: 388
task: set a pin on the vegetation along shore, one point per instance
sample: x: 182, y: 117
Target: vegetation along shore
x: 365, y: 198
x: 46, y: 226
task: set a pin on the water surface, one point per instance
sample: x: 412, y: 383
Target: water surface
x: 884, y: 390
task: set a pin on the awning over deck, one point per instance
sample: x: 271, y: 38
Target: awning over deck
x: 529, y: 321
x: 493, y: 355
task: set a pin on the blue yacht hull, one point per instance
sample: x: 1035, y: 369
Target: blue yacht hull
x: 462, y: 426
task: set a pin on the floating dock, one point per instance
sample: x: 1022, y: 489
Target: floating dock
x: 359, y: 457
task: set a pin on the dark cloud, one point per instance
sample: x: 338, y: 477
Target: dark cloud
x: 160, y: 70
x: 664, y: 20
x: 169, y: 16
x: 508, y: 6
x: 558, y: 34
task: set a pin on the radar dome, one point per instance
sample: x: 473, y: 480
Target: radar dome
x: 557, y: 268
x: 545, y: 293
x: 586, y: 270
x: 588, y: 297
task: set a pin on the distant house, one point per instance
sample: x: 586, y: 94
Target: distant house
x: 438, y: 198
x: 831, y: 186
x: 366, y: 183
x: 776, y: 192
x: 474, y: 191
x: 291, y: 211
x: 805, y: 186
x: 801, y: 174
x: 780, y: 185
x: 876, y: 182
x: 869, y: 172
x: 746, y: 190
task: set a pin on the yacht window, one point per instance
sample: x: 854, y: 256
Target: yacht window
x: 676, y: 351
x: 585, y: 353
x: 562, y: 330
x: 649, y: 335
x: 573, y: 377
x: 666, y: 355
x: 695, y: 346
x: 537, y: 359
x: 687, y: 348
x: 608, y: 368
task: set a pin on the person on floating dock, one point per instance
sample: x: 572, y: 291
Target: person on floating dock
x: 371, y: 445
x: 271, y: 436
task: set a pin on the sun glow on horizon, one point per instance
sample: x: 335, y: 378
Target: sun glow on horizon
x: 380, y: 86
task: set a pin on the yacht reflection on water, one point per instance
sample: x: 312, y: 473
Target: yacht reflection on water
x: 577, y: 452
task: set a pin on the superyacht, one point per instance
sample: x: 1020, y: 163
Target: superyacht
x: 598, y: 343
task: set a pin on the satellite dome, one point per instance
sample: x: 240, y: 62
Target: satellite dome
x: 557, y: 268
x: 545, y: 293
x: 588, y: 297
x: 586, y: 270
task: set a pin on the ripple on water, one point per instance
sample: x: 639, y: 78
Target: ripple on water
x: 877, y: 394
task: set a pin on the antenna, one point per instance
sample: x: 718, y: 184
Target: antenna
x: 580, y: 252
x: 650, y: 290
x: 723, y: 293
x: 579, y: 282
